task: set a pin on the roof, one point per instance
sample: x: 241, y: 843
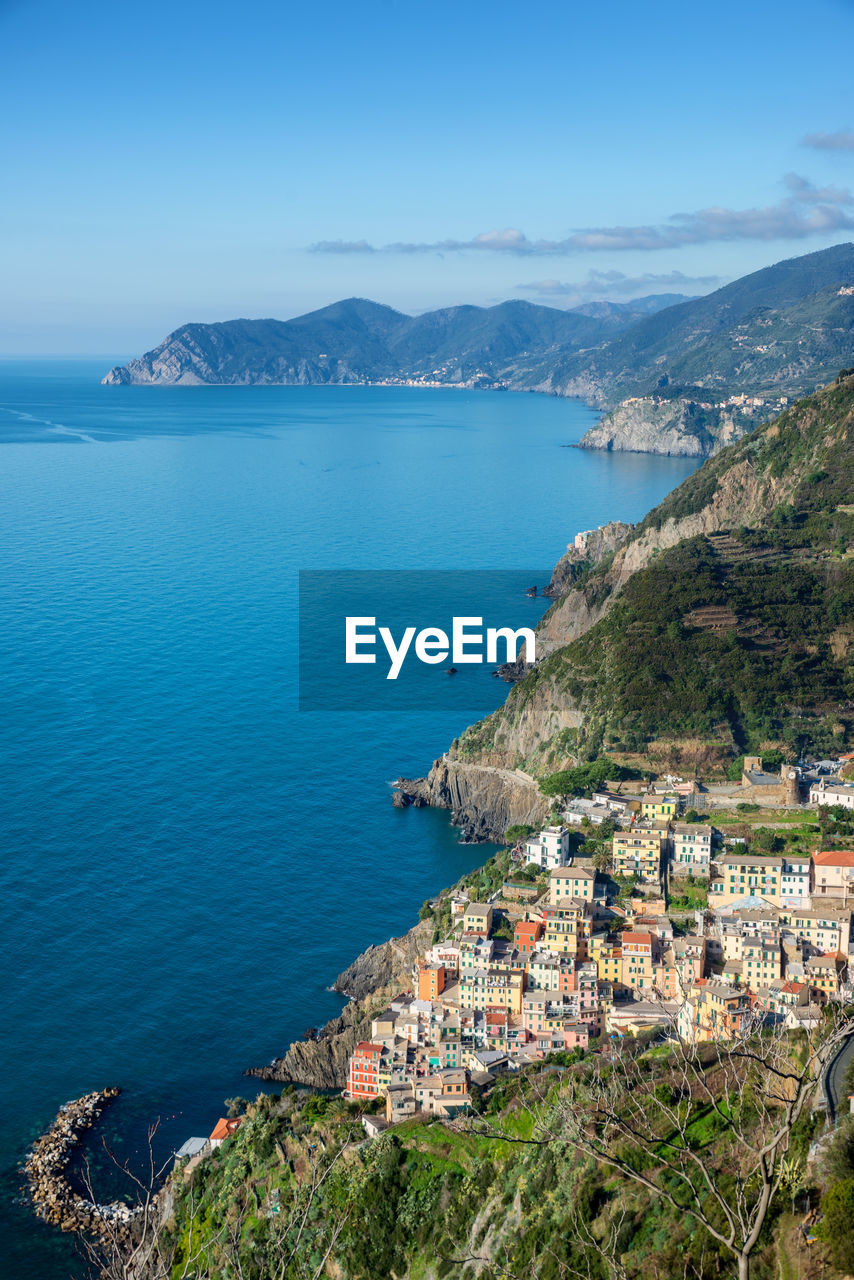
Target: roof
x: 572, y: 873
x: 692, y: 829
x: 191, y: 1148
x: 644, y: 939
x: 834, y: 858
x: 744, y: 860
x: 367, y: 1046
x: 225, y: 1128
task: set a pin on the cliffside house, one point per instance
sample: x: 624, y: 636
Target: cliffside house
x: 223, y: 1129
x: 364, y: 1075
x: 526, y: 936
x: 431, y: 981
x: 832, y: 874
x: 659, y: 808
x: 637, y: 853
x: 550, y: 849
x: 477, y: 918
x: 481, y: 988
x: 690, y: 849
x: 571, y: 882
x: 191, y: 1148
x: 741, y: 876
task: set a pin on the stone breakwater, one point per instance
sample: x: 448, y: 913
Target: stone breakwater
x: 54, y: 1198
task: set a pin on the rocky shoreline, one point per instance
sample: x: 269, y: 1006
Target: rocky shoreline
x: 372, y: 978
x: 484, y: 799
x: 54, y: 1198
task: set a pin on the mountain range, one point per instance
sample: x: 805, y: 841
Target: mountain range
x: 783, y: 330
x: 357, y: 341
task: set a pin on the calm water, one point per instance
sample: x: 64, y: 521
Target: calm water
x: 187, y: 861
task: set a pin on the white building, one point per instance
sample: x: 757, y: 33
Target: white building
x: 690, y: 849
x: 550, y: 849
x: 832, y: 793
x: 795, y: 882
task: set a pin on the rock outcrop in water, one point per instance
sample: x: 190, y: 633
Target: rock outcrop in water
x: 679, y: 426
x: 484, y: 800
x: 370, y: 980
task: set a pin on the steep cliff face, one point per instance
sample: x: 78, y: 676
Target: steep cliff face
x: 370, y: 980
x: 484, y: 800
x: 679, y: 427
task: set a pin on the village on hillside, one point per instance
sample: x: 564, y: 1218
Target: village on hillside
x: 672, y: 925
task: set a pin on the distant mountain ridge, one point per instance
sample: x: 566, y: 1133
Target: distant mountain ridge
x: 357, y: 341
x: 782, y: 331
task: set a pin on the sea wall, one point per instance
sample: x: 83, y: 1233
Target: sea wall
x: 54, y: 1198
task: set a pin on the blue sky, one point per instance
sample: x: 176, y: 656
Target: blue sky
x: 183, y: 161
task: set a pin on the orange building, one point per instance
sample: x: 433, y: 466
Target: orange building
x: 431, y: 981
x: 363, y: 1077
x: 526, y: 935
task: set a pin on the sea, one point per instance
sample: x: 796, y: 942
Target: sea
x: 188, y: 859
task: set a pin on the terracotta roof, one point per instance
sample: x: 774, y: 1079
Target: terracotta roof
x: 365, y: 1046
x: 834, y: 858
x: 643, y: 938
x: 225, y: 1128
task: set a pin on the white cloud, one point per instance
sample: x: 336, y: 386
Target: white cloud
x: 616, y: 284
x: 806, y: 211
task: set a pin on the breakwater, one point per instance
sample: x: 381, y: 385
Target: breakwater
x: 54, y: 1197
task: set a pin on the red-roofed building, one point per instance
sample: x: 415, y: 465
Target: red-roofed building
x: 637, y: 964
x: 363, y: 1079
x: 832, y: 874
x: 225, y: 1129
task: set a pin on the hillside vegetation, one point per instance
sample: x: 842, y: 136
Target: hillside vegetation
x: 726, y: 618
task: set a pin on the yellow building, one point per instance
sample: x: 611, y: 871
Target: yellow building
x: 566, y: 929
x: 659, y: 808
x: 761, y: 962
x: 740, y: 876
x: 607, y: 955
x: 489, y: 988
x: 477, y: 918
x: 714, y: 1011
x: 637, y: 853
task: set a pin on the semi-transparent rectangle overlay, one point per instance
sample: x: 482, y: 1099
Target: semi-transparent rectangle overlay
x: 398, y: 617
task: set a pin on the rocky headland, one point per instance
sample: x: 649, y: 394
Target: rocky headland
x: 682, y: 427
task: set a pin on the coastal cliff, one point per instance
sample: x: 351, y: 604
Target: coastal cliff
x: 677, y: 426
x: 484, y: 799
x: 370, y: 981
x: 664, y: 368
x: 630, y: 655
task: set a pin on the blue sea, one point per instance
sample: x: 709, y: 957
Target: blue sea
x: 188, y: 860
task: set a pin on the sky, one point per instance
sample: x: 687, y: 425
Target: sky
x: 200, y: 161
